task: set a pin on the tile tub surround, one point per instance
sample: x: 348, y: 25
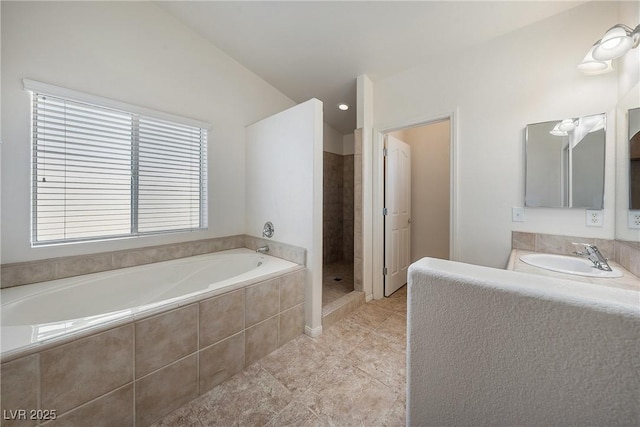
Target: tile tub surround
x: 627, y: 254
x: 57, y: 268
x: 142, y: 370
x: 352, y: 375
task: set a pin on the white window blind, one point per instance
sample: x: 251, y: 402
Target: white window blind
x: 100, y: 172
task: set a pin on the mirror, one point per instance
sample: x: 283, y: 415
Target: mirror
x: 634, y: 159
x: 565, y: 163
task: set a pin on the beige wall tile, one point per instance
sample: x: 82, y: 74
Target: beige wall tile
x: 165, y: 338
x: 169, y: 252
x: 262, y: 301
x: 226, y: 243
x: 261, y: 340
x: 277, y: 249
x: 200, y: 247
x: 166, y: 390
x: 357, y: 275
x: 629, y: 257
x: 606, y: 247
x: 524, y: 241
x: 221, y: 361
x: 75, y: 266
x: 28, y: 272
x: 562, y: 245
x: 292, y: 289
x: 19, y: 381
x: 75, y: 373
x: 291, y: 324
x: 113, y: 409
x: 221, y: 317
x: 133, y: 257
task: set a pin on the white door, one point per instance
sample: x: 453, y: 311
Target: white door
x: 397, y: 220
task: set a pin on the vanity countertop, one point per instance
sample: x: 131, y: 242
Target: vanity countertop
x: 627, y: 281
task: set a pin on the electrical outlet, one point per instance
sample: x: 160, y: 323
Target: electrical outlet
x: 595, y: 218
x: 634, y: 219
x: 517, y: 214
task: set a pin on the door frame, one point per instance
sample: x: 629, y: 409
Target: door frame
x: 378, y: 190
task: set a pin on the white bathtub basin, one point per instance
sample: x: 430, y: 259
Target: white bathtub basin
x: 568, y: 265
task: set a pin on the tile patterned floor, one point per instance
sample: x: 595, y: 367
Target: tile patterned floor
x: 354, y: 374
x: 334, y: 289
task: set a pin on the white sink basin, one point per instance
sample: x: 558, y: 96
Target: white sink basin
x: 568, y: 265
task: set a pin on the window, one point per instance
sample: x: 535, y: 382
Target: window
x: 102, y: 169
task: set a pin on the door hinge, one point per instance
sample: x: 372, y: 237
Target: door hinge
x: 384, y: 211
x: 384, y: 152
x: 384, y: 271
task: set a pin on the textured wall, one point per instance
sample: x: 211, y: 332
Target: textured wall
x: 496, y: 347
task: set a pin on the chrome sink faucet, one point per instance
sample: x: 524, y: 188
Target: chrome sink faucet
x: 263, y: 249
x: 592, y: 253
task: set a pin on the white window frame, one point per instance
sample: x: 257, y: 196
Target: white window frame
x: 76, y: 96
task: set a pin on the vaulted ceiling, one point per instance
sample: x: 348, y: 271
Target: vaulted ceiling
x: 316, y: 49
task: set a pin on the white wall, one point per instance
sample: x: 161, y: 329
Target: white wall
x: 136, y: 53
x: 336, y: 143
x: 284, y: 186
x: 348, y: 144
x: 332, y: 140
x: 499, y: 87
x: 430, y: 201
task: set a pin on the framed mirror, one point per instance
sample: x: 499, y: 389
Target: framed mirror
x: 565, y: 163
x: 634, y: 159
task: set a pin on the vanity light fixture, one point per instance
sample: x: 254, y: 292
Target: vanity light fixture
x: 342, y: 106
x: 617, y: 41
x: 592, y: 66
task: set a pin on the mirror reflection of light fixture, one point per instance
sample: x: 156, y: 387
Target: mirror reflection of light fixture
x: 557, y: 132
x: 567, y: 125
x: 617, y: 41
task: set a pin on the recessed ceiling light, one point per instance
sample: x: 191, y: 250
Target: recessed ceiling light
x: 342, y: 106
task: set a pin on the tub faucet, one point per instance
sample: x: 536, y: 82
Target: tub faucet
x: 263, y: 249
x: 592, y: 253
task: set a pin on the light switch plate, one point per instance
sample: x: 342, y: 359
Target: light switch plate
x: 594, y: 218
x: 634, y: 219
x: 517, y: 214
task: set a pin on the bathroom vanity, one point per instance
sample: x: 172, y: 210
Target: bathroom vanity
x: 627, y: 281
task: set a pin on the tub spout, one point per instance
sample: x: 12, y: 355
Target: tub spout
x: 263, y: 249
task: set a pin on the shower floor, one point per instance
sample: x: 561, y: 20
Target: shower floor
x: 337, y: 281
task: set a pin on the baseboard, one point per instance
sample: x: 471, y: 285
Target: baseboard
x: 313, y: 332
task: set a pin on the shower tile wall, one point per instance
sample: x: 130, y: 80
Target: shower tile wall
x: 332, y: 207
x: 338, y: 208
x: 347, y: 207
